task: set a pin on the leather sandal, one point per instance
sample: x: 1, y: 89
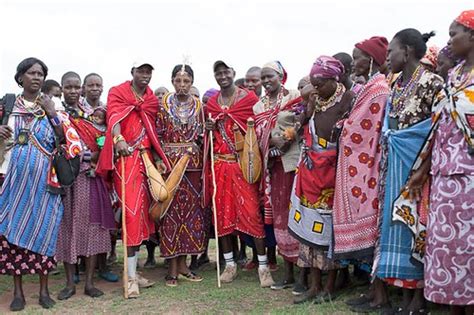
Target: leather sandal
x: 367, y: 308
x: 171, y: 281
x: 362, y: 299
x: 190, y: 276
x: 325, y: 297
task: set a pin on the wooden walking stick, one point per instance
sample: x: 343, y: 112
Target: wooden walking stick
x: 124, y: 232
x: 214, y: 186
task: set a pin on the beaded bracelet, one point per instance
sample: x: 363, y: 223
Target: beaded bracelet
x: 118, y: 138
x: 55, y: 121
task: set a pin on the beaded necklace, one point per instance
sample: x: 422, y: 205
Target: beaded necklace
x: 181, y: 112
x: 323, y: 105
x: 32, y: 108
x: 77, y: 112
x: 135, y: 93
x: 31, y: 113
x: 277, y: 104
x: 401, y: 92
x: 460, y: 78
x: 231, y: 101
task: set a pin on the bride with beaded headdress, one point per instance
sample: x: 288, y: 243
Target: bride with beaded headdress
x: 180, y: 125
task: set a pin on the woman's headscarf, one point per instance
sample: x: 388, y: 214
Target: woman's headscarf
x: 376, y: 47
x: 327, y: 67
x: 466, y: 18
x: 445, y: 51
x: 431, y: 57
x: 210, y: 93
x: 278, y: 68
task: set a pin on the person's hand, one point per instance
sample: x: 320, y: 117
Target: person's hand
x: 47, y: 105
x: 94, y: 158
x: 415, y: 185
x: 121, y: 148
x: 5, y: 132
x: 161, y: 167
x: 289, y: 133
x: 360, y: 79
x: 210, y: 124
x: 310, y: 107
x: 279, y: 142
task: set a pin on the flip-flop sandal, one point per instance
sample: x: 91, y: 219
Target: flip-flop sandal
x: 282, y: 285
x: 420, y: 311
x: 305, y: 297
x: 109, y: 276
x: 171, y: 281
x: 325, y: 297
x: 362, y: 299
x: 367, y: 308
x: 190, y: 276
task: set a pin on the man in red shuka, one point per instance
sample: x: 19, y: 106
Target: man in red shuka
x: 131, y: 114
x: 237, y: 202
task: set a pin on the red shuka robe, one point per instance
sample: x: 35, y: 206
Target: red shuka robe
x: 237, y: 202
x: 137, y: 122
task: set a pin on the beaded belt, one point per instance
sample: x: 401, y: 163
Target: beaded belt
x: 225, y: 157
x: 178, y: 144
x: 37, y: 145
x: 137, y: 143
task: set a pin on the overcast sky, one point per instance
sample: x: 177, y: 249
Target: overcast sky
x: 106, y: 36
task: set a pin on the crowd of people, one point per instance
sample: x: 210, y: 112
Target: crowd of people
x: 369, y: 162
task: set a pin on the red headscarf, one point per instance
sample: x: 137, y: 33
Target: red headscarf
x: 466, y: 18
x: 431, y: 57
x: 376, y: 47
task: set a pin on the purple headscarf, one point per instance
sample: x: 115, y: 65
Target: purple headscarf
x: 210, y: 93
x: 445, y: 51
x: 327, y: 67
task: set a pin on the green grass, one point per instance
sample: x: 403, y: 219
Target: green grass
x: 243, y: 296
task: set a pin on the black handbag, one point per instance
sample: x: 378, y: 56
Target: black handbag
x: 6, y: 107
x: 66, y: 169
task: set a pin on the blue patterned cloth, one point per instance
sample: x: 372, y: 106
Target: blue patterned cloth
x: 395, y: 238
x: 29, y: 214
